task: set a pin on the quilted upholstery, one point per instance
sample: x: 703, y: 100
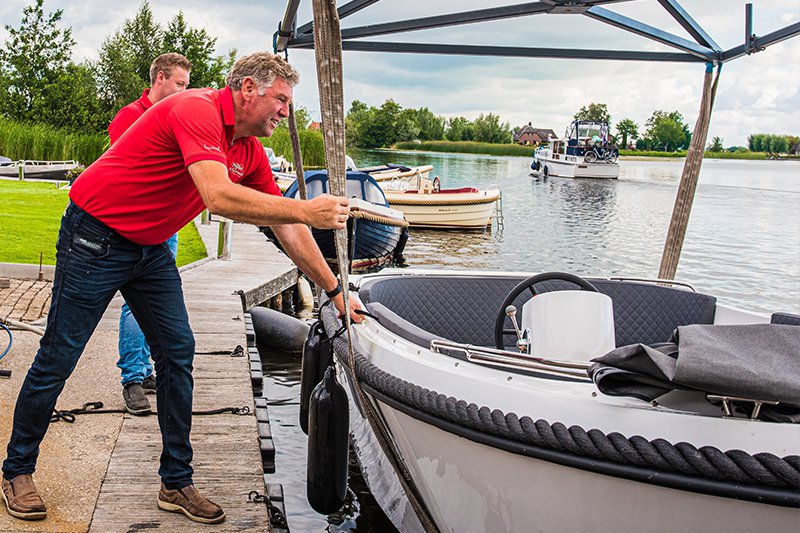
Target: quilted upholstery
x: 463, y: 309
x: 785, y: 319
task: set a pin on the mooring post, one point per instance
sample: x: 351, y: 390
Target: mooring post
x: 21, y: 170
x: 225, y: 240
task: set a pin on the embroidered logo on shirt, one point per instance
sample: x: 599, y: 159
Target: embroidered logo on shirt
x: 217, y: 148
x: 236, y: 168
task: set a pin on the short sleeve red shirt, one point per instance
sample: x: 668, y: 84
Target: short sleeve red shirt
x: 141, y: 186
x: 128, y: 115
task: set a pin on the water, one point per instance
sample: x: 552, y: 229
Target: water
x: 742, y: 245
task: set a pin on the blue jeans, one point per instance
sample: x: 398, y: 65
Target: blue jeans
x: 93, y: 262
x: 134, y: 352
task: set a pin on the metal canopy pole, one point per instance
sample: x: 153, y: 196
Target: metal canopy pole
x: 284, y: 30
x: 689, y: 24
x: 511, y: 51
x: 653, y: 33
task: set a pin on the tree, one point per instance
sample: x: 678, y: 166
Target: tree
x: 34, y: 57
x: 125, y: 56
x: 459, y: 129
x: 71, y: 101
x: 488, y: 129
x: 715, y: 145
x: 594, y: 113
x: 667, y: 130
x: 431, y: 127
x: 627, y: 128
x: 198, y: 47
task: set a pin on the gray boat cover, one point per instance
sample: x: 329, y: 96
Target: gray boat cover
x: 755, y: 361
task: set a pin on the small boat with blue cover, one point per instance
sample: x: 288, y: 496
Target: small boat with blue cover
x: 377, y: 233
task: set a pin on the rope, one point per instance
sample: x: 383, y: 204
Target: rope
x: 94, y: 408
x: 433, y: 200
x: 379, y: 219
x: 763, y: 469
x: 328, y: 53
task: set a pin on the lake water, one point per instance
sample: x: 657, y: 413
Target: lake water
x: 742, y: 245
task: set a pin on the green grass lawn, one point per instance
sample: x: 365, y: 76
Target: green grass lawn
x: 30, y: 214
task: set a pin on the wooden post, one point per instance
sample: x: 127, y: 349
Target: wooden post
x: 689, y: 177
x: 225, y: 239
x: 297, y: 155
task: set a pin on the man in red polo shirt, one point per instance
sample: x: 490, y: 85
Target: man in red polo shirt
x: 169, y: 74
x: 167, y: 167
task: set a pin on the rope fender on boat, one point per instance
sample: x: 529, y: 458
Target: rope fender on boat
x: 414, y: 201
x: 379, y: 219
x: 761, y: 469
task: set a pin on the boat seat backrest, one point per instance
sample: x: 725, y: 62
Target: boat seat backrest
x: 464, y: 309
x: 786, y: 319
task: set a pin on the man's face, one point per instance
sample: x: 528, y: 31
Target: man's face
x: 177, y: 81
x: 262, y: 114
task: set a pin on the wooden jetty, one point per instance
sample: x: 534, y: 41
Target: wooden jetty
x: 228, y: 448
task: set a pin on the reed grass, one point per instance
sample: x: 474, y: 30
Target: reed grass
x: 468, y: 147
x: 311, y: 146
x: 30, y: 215
x: 21, y: 140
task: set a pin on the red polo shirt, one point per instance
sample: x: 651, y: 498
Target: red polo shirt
x: 141, y: 186
x: 128, y: 115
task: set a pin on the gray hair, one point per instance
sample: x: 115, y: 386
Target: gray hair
x: 263, y: 68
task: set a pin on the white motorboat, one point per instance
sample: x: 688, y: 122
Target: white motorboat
x: 584, y: 152
x: 497, y: 439
x: 392, y: 172
x: 430, y: 206
x: 42, y: 170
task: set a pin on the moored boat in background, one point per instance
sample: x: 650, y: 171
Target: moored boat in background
x: 428, y: 205
x: 42, y: 170
x: 377, y: 233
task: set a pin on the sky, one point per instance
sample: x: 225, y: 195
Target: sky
x: 756, y: 94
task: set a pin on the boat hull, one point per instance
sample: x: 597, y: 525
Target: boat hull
x: 491, y: 448
x: 446, y: 210
x: 574, y: 167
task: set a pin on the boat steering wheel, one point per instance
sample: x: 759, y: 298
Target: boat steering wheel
x: 499, y: 330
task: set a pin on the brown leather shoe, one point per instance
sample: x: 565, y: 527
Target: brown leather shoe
x: 22, y: 500
x: 191, y: 503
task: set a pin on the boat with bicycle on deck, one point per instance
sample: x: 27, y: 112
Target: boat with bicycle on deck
x: 584, y: 152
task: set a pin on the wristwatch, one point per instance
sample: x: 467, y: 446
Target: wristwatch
x: 335, y: 292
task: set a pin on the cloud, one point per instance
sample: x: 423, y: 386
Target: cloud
x: 755, y: 92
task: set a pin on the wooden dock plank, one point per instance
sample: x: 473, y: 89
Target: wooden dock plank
x: 227, y: 455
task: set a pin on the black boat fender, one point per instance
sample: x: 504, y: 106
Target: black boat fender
x: 317, y: 356
x: 328, y: 445
x: 274, y: 329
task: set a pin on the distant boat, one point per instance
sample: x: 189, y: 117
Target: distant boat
x: 43, y: 170
x: 377, y: 233
x: 584, y: 152
x: 430, y: 206
x: 276, y: 162
x: 398, y: 172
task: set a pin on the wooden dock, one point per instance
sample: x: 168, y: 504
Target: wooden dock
x: 100, y: 474
x: 227, y: 455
